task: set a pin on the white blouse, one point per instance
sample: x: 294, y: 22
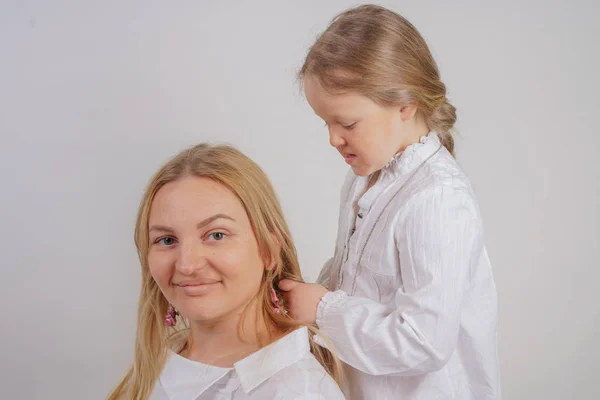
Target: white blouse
x: 413, y: 308
x: 286, y: 369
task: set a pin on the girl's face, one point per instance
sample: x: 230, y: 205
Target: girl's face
x: 203, y: 252
x: 366, y: 134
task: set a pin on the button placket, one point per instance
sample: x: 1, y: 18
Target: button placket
x: 352, y: 217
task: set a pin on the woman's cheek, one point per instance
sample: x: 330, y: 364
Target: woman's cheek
x: 159, y: 269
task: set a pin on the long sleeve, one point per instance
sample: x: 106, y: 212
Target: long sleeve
x: 438, y: 241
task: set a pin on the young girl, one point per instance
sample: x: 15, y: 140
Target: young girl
x: 411, y: 307
x: 213, y: 244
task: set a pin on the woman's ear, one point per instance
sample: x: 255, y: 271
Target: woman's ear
x: 274, y: 253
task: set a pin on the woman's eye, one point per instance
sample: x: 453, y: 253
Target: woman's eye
x: 349, y: 127
x: 166, y: 241
x: 217, y: 236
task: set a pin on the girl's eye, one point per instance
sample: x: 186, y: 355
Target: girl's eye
x: 217, y: 236
x: 349, y: 127
x: 165, y: 241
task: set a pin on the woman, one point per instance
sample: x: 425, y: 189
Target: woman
x: 213, y: 245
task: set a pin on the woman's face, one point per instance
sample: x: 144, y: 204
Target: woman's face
x: 203, y: 252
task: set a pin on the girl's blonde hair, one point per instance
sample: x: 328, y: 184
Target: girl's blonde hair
x: 229, y: 167
x: 377, y: 53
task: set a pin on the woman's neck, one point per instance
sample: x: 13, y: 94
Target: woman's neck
x: 229, y: 339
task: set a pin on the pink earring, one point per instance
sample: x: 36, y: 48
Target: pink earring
x: 275, y: 301
x: 171, y: 316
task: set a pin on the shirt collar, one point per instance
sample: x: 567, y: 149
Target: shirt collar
x: 262, y: 365
x: 183, y: 379
x: 400, y: 165
x: 409, y: 159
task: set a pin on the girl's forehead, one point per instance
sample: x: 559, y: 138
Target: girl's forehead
x: 332, y: 104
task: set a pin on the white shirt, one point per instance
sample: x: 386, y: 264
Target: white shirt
x: 286, y: 369
x: 417, y: 319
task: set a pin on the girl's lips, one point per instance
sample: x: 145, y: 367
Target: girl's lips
x: 349, y: 158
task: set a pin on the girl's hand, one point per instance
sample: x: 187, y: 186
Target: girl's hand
x: 301, y: 300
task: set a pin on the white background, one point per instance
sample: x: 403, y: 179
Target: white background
x: 96, y: 95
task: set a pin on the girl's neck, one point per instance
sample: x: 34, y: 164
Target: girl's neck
x: 414, y: 134
x: 372, y: 179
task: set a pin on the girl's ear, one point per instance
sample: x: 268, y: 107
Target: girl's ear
x: 408, y: 112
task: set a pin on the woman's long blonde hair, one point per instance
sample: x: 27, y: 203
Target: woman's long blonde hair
x: 235, y: 171
x: 379, y: 54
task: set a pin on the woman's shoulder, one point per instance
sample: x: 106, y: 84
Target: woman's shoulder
x: 306, y: 379
x: 286, y: 369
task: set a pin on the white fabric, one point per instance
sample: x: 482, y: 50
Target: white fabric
x: 286, y: 369
x: 421, y: 323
